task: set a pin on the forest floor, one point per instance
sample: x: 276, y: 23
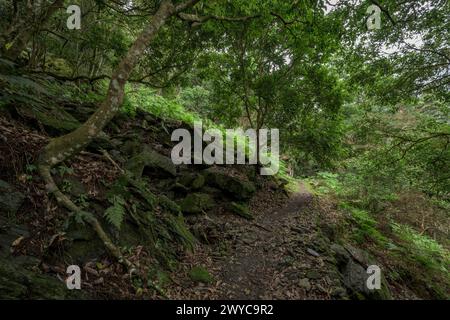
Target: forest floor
x: 276, y: 256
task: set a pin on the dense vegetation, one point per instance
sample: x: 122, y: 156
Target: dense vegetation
x: 363, y: 116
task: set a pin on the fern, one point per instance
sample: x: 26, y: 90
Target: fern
x: 115, y: 213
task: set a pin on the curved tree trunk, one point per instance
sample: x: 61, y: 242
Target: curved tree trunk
x: 66, y: 146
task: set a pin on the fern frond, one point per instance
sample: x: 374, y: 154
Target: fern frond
x: 115, y: 213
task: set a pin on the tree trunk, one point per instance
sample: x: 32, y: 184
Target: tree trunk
x: 65, y: 146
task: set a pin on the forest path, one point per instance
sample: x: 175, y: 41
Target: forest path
x: 274, y: 258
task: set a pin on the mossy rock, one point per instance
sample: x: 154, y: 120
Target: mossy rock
x: 197, y: 203
x: 168, y: 204
x: 234, y: 186
x: 200, y: 274
x: 51, y: 116
x: 18, y: 281
x: 198, y: 182
x: 241, y: 210
x: 192, y: 181
x: 131, y: 147
x: 151, y: 159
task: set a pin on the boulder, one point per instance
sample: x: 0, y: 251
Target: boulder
x: 196, y: 203
x: 192, y: 181
x: 238, y: 188
x: 200, y: 274
x: 149, y: 158
x: 353, y: 265
x: 10, y: 199
x: 18, y: 281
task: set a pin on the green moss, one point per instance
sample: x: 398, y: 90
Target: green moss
x: 238, y: 188
x: 200, y: 274
x: 197, y: 203
x: 241, y: 210
x: 198, y: 182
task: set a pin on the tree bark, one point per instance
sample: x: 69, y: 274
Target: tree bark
x: 65, y: 146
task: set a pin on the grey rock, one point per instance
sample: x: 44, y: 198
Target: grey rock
x: 234, y: 186
x: 341, y: 255
x: 355, y: 280
x: 152, y: 159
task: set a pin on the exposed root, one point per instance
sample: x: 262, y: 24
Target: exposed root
x: 88, y: 217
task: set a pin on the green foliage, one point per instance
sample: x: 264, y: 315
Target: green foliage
x: 423, y: 249
x: 325, y: 183
x: 366, y: 226
x: 148, y: 100
x: 200, y: 274
x: 116, y: 212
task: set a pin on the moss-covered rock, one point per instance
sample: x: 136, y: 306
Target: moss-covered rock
x: 197, y: 203
x: 200, y: 274
x: 198, y: 182
x: 151, y: 159
x: 192, y: 181
x: 241, y: 210
x: 52, y: 116
x: 353, y: 263
x: 237, y: 187
x: 18, y: 281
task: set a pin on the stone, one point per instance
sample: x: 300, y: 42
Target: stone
x: 10, y: 199
x: 200, y: 274
x: 352, y: 266
x: 234, y: 186
x: 52, y: 116
x: 151, y: 159
x: 339, y: 293
x: 341, y: 255
x: 241, y: 210
x: 198, y: 182
x: 192, y: 181
x: 196, y: 203
x: 18, y: 281
x: 304, y: 283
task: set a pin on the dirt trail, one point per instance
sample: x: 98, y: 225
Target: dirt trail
x: 273, y: 257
